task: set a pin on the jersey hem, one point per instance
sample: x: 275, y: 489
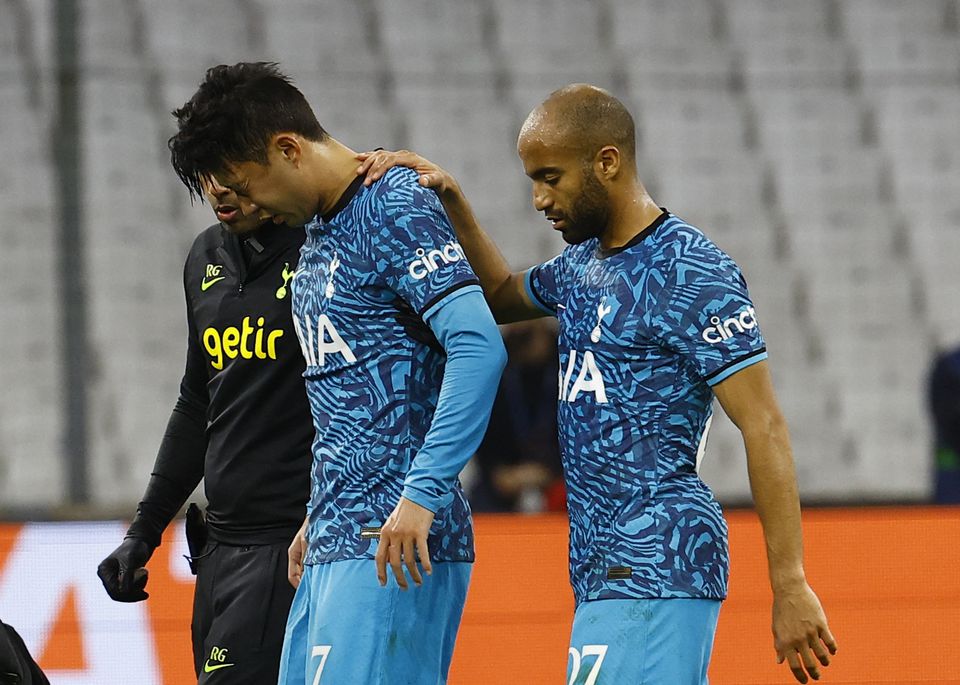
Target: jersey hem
x: 739, y: 364
x: 534, y: 295
x: 448, y: 295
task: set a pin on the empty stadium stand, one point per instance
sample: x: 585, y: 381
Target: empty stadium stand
x: 818, y: 142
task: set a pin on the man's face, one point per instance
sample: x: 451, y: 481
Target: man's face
x: 565, y: 188
x: 278, y: 188
x: 237, y: 215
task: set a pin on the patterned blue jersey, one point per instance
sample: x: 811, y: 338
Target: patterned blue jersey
x: 383, y: 260
x: 645, y: 330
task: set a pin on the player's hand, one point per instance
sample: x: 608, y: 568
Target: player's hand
x: 375, y: 164
x: 800, y: 633
x: 402, y: 537
x: 296, y: 553
x: 123, y: 573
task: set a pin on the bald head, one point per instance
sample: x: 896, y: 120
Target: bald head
x: 583, y: 118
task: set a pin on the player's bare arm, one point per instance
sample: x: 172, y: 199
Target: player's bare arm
x: 503, y: 288
x: 800, y: 631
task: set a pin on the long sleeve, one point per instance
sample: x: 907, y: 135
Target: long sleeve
x: 178, y: 468
x: 475, y: 359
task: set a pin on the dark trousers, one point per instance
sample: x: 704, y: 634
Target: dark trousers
x: 240, y: 607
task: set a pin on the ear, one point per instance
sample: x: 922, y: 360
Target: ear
x: 289, y: 147
x: 607, y: 162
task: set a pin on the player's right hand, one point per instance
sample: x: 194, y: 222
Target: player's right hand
x: 296, y: 553
x: 376, y: 163
x: 123, y: 572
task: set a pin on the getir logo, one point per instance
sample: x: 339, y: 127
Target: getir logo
x: 428, y: 262
x: 247, y: 342
x: 741, y: 322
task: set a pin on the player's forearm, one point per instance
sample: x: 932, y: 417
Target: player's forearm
x: 774, y: 487
x: 475, y: 360
x: 177, y: 471
x: 501, y: 286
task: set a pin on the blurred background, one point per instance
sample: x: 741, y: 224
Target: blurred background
x: 817, y: 142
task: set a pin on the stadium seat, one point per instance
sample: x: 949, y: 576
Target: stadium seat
x: 923, y: 178
x: 867, y: 20
x: 660, y: 23
x: 785, y: 63
x: 310, y: 38
x: 751, y: 20
x: 850, y: 178
x: 189, y: 37
x: 815, y: 141
x: 745, y: 233
x: 728, y: 182
x: 690, y: 122
x: 909, y: 61
x: 802, y: 121
x: 656, y: 71
x: 934, y: 235
x: 854, y: 235
x: 921, y: 119
x: 525, y: 29
x: 107, y: 36
x: 423, y: 38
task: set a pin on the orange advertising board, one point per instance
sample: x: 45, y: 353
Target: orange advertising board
x: 888, y: 577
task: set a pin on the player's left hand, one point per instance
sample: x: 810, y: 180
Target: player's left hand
x: 374, y: 164
x: 800, y: 632
x: 403, y: 537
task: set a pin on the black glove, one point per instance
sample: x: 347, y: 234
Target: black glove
x: 123, y: 573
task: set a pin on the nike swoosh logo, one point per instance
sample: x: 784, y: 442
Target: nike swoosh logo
x: 206, y: 284
x: 207, y: 668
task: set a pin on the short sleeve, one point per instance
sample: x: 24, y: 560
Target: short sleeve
x: 544, y: 283
x: 415, y: 251
x: 710, y: 320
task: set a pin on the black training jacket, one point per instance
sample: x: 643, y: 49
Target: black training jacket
x: 242, y: 421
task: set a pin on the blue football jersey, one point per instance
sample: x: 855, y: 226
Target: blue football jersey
x: 645, y: 330
x: 370, y: 272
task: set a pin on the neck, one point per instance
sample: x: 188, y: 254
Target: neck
x: 335, y: 166
x: 631, y: 211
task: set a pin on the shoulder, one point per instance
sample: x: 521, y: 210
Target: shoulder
x: 209, y: 239
x: 400, y: 189
x: 681, y: 248
x: 205, y: 244
x: 573, y: 255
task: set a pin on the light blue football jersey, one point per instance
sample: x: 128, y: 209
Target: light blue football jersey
x: 645, y: 331
x: 370, y: 272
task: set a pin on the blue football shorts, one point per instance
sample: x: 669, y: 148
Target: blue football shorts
x: 344, y: 629
x: 642, y: 641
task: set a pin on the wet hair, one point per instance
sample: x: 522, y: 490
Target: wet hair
x: 232, y: 116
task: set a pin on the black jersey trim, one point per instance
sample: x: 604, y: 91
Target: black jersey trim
x: 604, y: 253
x: 452, y: 289
x: 345, y: 199
x: 738, y: 360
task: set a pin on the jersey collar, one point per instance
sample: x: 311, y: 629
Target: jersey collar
x: 344, y: 200
x: 602, y: 253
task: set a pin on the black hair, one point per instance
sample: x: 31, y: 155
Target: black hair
x: 232, y: 116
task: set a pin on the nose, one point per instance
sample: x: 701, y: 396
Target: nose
x: 247, y: 207
x: 541, y: 200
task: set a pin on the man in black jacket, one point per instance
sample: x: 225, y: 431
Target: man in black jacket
x: 242, y: 423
